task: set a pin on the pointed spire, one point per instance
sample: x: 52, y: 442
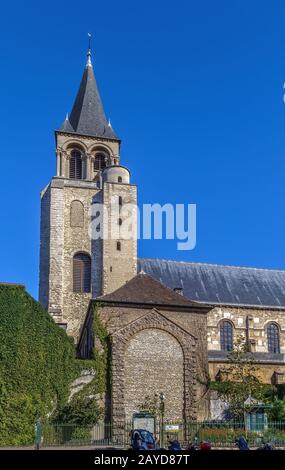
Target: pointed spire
x: 87, y: 116
x: 66, y: 126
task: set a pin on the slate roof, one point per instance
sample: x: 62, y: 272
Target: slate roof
x: 218, y: 284
x: 143, y: 289
x: 87, y: 116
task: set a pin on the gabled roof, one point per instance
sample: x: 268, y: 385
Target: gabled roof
x: 87, y: 116
x: 143, y: 289
x: 218, y: 284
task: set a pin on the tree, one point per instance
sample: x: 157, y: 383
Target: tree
x: 239, y: 385
x: 277, y: 412
x: 82, y: 410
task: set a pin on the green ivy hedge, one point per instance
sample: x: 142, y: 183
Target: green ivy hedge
x: 37, y: 365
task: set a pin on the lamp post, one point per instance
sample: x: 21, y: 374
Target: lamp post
x: 161, y: 408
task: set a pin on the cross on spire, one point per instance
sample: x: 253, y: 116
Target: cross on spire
x: 89, y: 63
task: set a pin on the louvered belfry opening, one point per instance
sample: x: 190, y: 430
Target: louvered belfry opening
x: 273, y: 339
x: 81, y: 273
x: 100, y: 162
x: 226, y: 335
x: 75, y: 166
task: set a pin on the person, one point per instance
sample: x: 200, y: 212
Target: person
x: 38, y: 434
x: 137, y: 441
x: 242, y: 444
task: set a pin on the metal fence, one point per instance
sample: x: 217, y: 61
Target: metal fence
x: 73, y: 435
x: 220, y: 434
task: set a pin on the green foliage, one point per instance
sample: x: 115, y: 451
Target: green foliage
x: 81, y: 435
x: 280, y: 391
x: 101, y: 355
x: 83, y: 408
x: 37, y: 365
x: 277, y: 412
x: 240, y: 386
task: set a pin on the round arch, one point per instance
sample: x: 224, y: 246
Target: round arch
x: 74, y: 143
x: 154, y: 320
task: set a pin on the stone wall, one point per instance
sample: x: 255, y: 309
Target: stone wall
x: 62, y: 238
x: 154, y: 363
x: 258, y: 319
x: 266, y: 372
x: 119, y: 266
x: 133, y: 329
x: 44, y: 248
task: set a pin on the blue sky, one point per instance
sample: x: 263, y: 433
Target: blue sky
x: 195, y: 91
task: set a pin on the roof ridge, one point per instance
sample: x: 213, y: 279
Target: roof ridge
x: 171, y: 297
x: 214, y: 264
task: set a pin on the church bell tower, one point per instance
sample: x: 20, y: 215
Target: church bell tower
x: 76, y: 266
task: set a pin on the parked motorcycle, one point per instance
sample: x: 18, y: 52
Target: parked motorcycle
x: 191, y: 446
x: 205, y: 445
x: 174, y: 445
x: 266, y: 446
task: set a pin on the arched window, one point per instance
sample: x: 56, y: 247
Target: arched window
x: 81, y: 273
x: 120, y: 179
x: 120, y: 201
x: 119, y: 246
x: 120, y: 221
x: 76, y: 214
x: 100, y: 161
x: 226, y: 335
x: 273, y: 340
x: 75, y: 165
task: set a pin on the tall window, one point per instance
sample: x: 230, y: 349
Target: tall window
x: 273, y: 340
x: 100, y: 162
x: 75, y: 166
x: 81, y: 273
x: 226, y: 335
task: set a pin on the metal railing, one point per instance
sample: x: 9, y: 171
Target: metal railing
x: 220, y: 434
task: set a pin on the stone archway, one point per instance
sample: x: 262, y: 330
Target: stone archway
x: 153, y: 320
x: 154, y: 363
